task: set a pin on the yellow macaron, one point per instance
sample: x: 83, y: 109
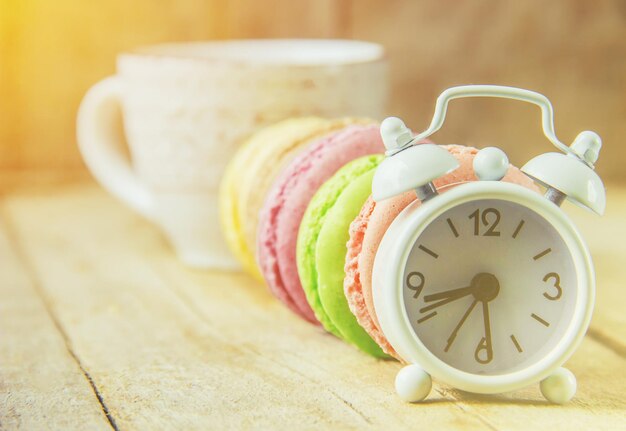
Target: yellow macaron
x: 251, y: 172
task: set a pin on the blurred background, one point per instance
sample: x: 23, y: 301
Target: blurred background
x: 574, y: 52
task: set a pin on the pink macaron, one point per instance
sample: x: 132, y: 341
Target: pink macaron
x: 368, y: 229
x: 287, y: 200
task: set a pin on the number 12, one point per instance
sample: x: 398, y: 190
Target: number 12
x: 490, y: 222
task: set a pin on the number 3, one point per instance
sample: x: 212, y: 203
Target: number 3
x: 557, y: 285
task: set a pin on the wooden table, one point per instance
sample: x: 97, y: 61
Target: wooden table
x: 102, y: 328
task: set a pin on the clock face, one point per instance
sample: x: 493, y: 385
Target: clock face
x: 490, y: 287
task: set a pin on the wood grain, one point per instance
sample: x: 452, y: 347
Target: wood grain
x: 169, y: 347
x: 158, y: 364
x: 605, y: 237
x: 42, y: 384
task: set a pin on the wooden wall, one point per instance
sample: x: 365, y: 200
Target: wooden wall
x: 572, y: 51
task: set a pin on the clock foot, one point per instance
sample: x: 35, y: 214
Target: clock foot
x: 559, y: 387
x: 413, y: 384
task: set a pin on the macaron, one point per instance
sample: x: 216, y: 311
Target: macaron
x: 321, y: 249
x: 251, y: 172
x: 287, y: 200
x: 368, y: 228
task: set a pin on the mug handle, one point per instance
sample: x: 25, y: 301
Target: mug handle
x: 102, y: 150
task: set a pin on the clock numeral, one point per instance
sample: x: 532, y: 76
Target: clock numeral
x: 452, y: 228
x: 483, y: 346
x: 415, y: 281
x: 428, y: 251
x: 516, y: 343
x: 557, y: 285
x: 542, y: 254
x: 490, y: 217
x: 428, y: 316
x: 517, y: 229
x: 540, y: 320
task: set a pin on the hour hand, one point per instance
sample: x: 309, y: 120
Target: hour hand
x: 446, y: 297
x: 449, y: 293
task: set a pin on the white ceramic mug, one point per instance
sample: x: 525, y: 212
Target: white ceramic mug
x: 187, y: 106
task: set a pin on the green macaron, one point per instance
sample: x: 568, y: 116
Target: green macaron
x: 321, y: 249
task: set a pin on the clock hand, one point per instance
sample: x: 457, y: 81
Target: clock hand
x: 485, y: 343
x: 448, y: 296
x: 449, y: 293
x: 458, y: 326
x: 483, y: 285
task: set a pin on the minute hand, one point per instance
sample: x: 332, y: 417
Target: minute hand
x: 452, y: 336
x: 485, y: 343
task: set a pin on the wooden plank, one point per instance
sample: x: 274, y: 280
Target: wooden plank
x: 598, y: 405
x: 599, y: 402
x: 240, y: 360
x: 605, y: 237
x: 181, y: 313
x: 205, y: 330
x: 41, y: 384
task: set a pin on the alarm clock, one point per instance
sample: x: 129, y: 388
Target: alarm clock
x: 488, y: 287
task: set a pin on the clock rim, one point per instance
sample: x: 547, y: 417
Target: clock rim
x: 389, y: 302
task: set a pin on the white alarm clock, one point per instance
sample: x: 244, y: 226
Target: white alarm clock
x: 488, y: 287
